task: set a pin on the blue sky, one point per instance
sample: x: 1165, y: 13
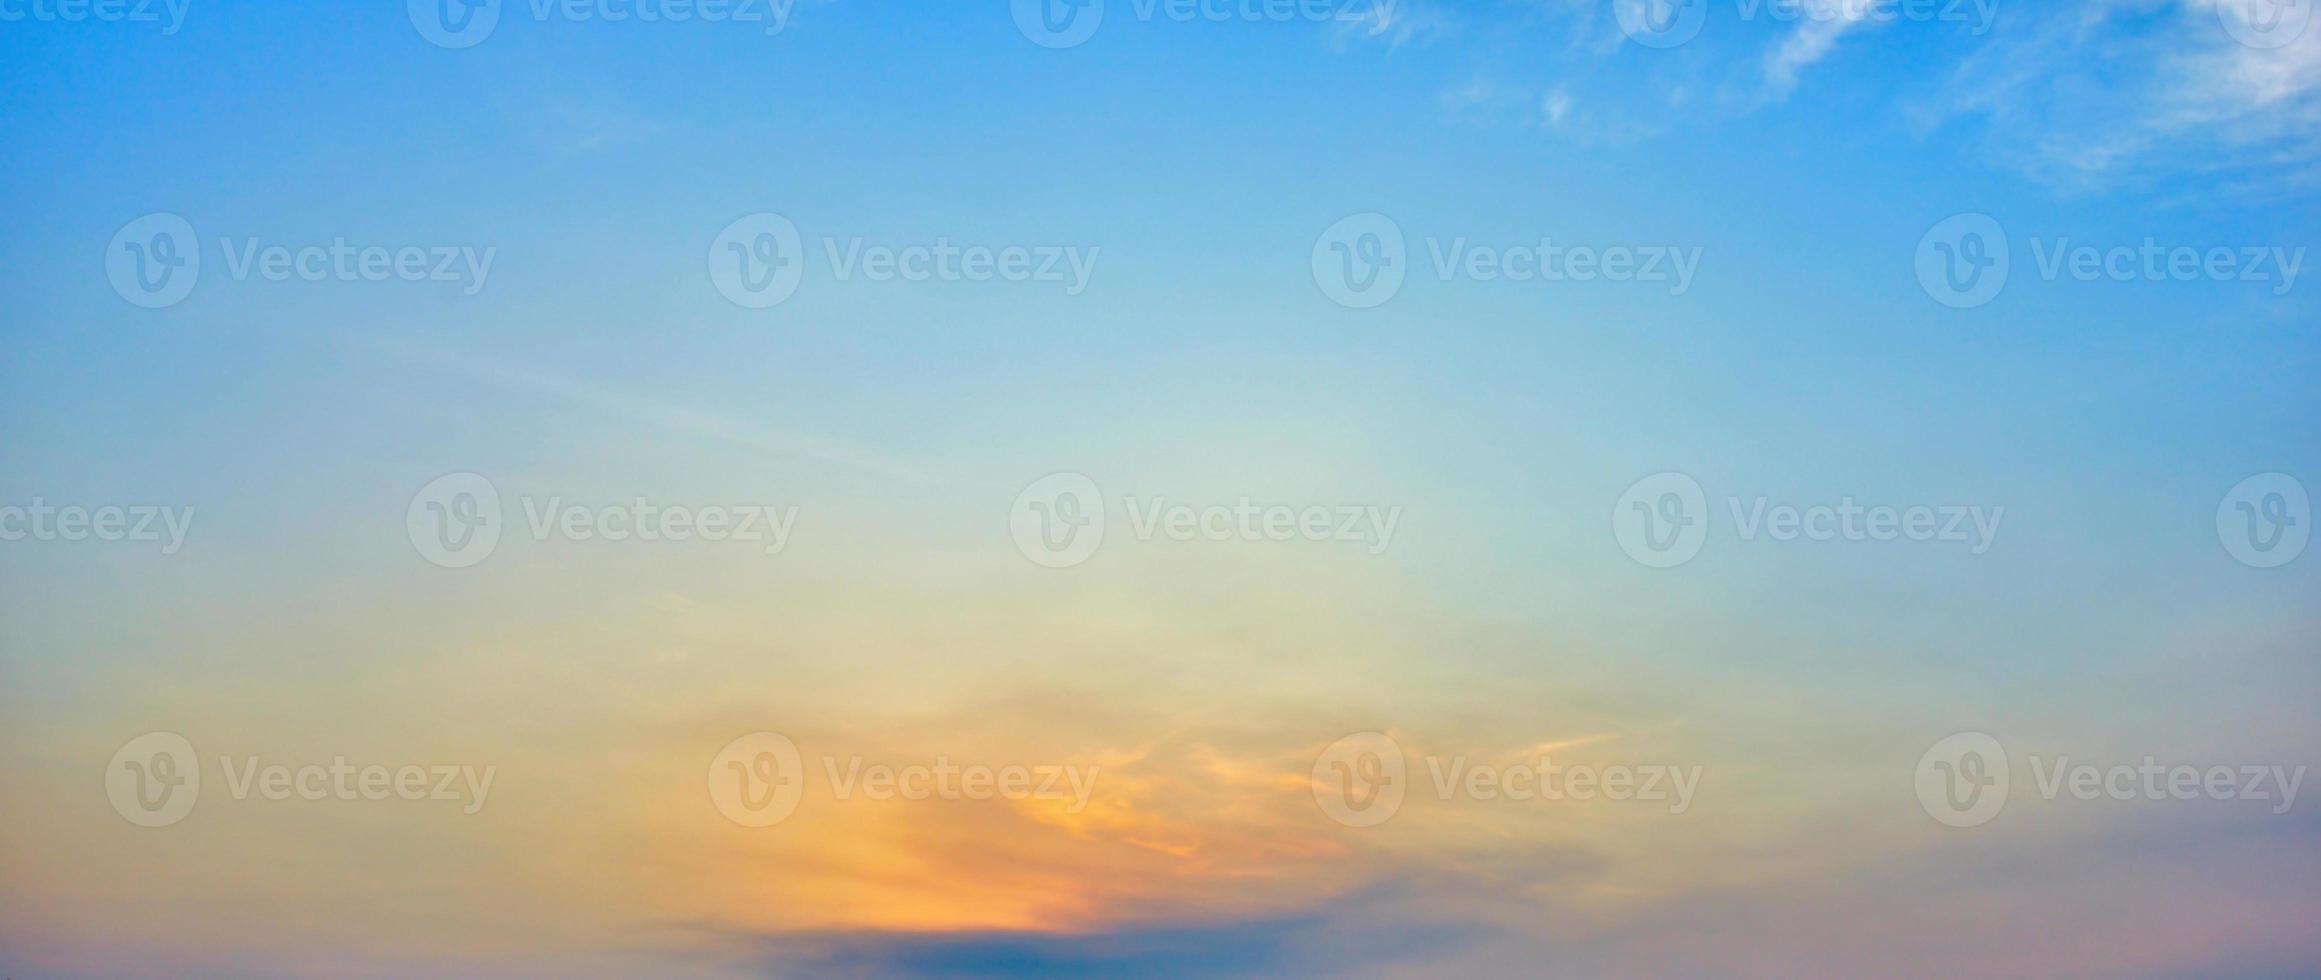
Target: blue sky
x: 1804, y: 160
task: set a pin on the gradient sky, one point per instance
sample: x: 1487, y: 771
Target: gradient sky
x: 1804, y: 159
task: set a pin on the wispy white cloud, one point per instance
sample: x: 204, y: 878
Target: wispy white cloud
x: 2131, y: 91
x: 1557, y: 107
x: 1811, y: 41
x: 1391, y: 22
x: 2083, y: 97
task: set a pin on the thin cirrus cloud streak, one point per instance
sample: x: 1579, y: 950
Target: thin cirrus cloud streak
x: 1809, y: 43
x: 2126, y: 93
x: 678, y: 419
x: 2082, y: 97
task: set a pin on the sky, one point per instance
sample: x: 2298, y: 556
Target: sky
x: 808, y: 488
